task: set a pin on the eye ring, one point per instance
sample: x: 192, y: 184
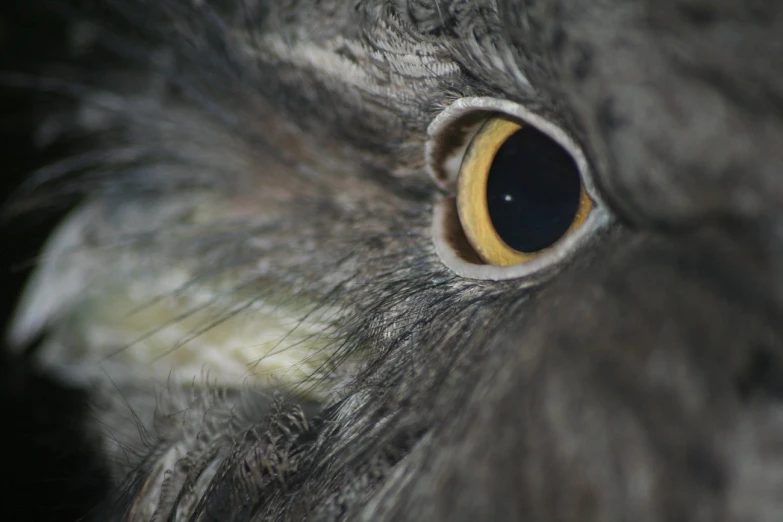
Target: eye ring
x: 450, y: 136
x: 473, y: 202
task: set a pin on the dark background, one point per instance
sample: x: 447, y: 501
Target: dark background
x: 47, y: 470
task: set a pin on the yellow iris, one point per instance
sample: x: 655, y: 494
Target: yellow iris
x: 472, y: 203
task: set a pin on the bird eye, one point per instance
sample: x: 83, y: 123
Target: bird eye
x: 518, y: 193
x: 518, y: 197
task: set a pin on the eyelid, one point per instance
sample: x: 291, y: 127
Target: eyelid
x: 450, y: 135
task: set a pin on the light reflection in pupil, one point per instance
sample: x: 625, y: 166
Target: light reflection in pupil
x: 533, y: 191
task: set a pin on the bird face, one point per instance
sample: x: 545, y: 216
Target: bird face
x: 425, y: 260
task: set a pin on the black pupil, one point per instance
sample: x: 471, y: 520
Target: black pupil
x: 533, y: 191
